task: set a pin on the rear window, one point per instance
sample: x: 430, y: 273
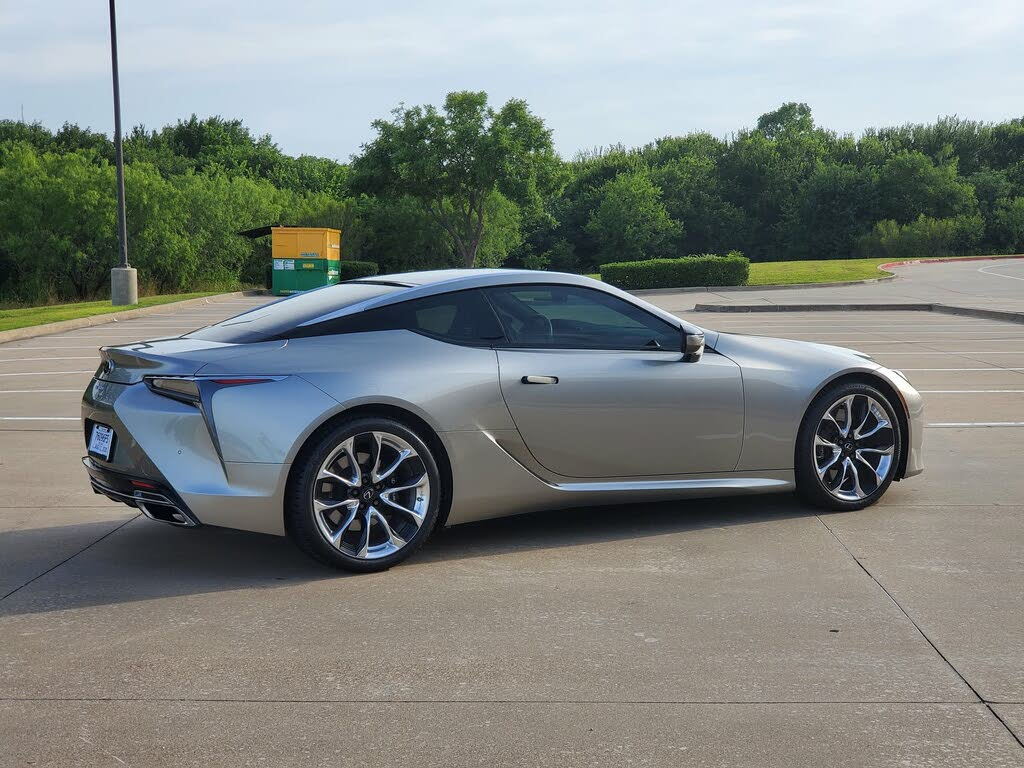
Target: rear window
x: 279, y: 317
x: 461, y: 317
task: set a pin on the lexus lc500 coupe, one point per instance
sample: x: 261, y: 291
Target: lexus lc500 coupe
x: 359, y: 417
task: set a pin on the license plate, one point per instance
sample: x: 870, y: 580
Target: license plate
x: 101, y: 441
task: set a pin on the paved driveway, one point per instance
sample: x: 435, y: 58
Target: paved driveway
x: 715, y: 633
x: 990, y: 284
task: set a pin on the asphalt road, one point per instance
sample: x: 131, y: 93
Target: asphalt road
x: 990, y: 284
x: 744, y: 632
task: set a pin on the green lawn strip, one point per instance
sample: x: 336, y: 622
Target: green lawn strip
x: 823, y: 271
x: 28, y: 316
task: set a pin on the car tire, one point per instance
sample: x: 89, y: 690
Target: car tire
x: 852, y: 431
x: 339, y: 484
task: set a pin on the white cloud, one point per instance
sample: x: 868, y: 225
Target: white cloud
x: 599, y: 71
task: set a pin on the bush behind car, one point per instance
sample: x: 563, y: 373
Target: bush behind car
x: 697, y: 270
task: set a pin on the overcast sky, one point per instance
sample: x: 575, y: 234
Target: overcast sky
x: 314, y: 73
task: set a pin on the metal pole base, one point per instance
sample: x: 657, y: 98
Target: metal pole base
x: 124, y: 286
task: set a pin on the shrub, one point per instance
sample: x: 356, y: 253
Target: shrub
x: 923, y: 237
x: 350, y: 270
x: 702, y: 270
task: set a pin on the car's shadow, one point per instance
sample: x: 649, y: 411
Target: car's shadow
x: 143, y: 560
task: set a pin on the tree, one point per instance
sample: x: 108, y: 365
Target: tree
x: 837, y: 205
x: 1008, y: 224
x: 910, y: 184
x: 452, y: 161
x: 789, y: 118
x: 631, y: 223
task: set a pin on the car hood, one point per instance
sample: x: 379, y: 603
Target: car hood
x: 792, y: 352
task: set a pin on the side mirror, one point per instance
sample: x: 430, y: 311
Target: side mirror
x: 693, y: 346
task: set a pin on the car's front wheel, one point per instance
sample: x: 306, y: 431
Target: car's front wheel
x: 365, y: 496
x: 848, y: 448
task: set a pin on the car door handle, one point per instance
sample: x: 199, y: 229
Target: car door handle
x: 539, y: 379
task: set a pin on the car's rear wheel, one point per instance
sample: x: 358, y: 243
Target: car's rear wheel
x: 848, y: 448
x: 365, y: 496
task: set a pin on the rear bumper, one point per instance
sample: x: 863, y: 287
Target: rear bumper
x: 155, y: 500
x: 168, y: 444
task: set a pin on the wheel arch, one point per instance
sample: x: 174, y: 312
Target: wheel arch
x: 879, y: 383
x: 402, y: 415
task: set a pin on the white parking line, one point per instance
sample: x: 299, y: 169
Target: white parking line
x: 848, y: 326
x: 45, y: 373
x: 967, y: 391
x: 1004, y: 327
x: 40, y: 418
x: 34, y: 359
x: 943, y: 369
x: 978, y: 424
x: 861, y: 342
x: 985, y: 270
x: 34, y: 391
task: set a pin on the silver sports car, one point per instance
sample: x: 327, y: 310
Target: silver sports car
x: 359, y: 417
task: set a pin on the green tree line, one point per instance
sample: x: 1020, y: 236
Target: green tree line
x: 470, y: 184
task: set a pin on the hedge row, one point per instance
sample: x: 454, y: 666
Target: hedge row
x: 702, y: 270
x: 350, y: 270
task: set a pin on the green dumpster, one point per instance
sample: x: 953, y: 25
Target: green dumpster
x: 294, y: 275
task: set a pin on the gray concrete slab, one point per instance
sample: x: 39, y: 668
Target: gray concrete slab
x: 971, y: 558
x: 1013, y: 716
x: 676, y: 602
x: 230, y: 734
x: 966, y: 467
x: 44, y: 469
x: 34, y: 540
x: 670, y: 634
x: 979, y: 376
x: 973, y: 406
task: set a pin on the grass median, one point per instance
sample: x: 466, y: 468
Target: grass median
x: 824, y: 271
x: 820, y: 271
x: 25, y: 317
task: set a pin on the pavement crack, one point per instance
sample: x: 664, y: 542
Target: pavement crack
x: 70, y: 557
x: 981, y: 699
x: 553, y: 702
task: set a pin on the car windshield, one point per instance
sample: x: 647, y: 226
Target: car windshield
x: 283, y: 315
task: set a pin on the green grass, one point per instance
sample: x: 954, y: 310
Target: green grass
x: 824, y: 271
x: 28, y: 316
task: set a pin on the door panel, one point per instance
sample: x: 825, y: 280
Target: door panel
x: 625, y: 413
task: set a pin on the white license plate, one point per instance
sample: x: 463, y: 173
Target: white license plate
x: 101, y: 440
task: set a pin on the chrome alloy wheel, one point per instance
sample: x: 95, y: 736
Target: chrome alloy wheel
x: 371, y: 495
x: 854, y: 447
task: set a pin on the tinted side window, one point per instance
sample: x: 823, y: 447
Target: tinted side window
x: 279, y: 318
x: 571, y: 317
x: 463, y: 317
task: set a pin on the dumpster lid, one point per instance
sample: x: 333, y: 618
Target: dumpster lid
x: 260, y: 231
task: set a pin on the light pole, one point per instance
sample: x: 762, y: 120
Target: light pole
x: 124, y: 286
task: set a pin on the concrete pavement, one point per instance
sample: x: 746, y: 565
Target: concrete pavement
x: 991, y: 284
x: 743, y: 632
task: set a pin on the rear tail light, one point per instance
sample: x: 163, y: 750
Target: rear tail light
x: 187, y: 388
x: 179, y: 388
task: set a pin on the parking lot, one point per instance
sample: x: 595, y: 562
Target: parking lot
x: 711, y: 633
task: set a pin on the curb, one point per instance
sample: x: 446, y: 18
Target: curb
x: 32, y: 331
x: 910, y: 262
x: 739, y: 288
x: 945, y: 309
